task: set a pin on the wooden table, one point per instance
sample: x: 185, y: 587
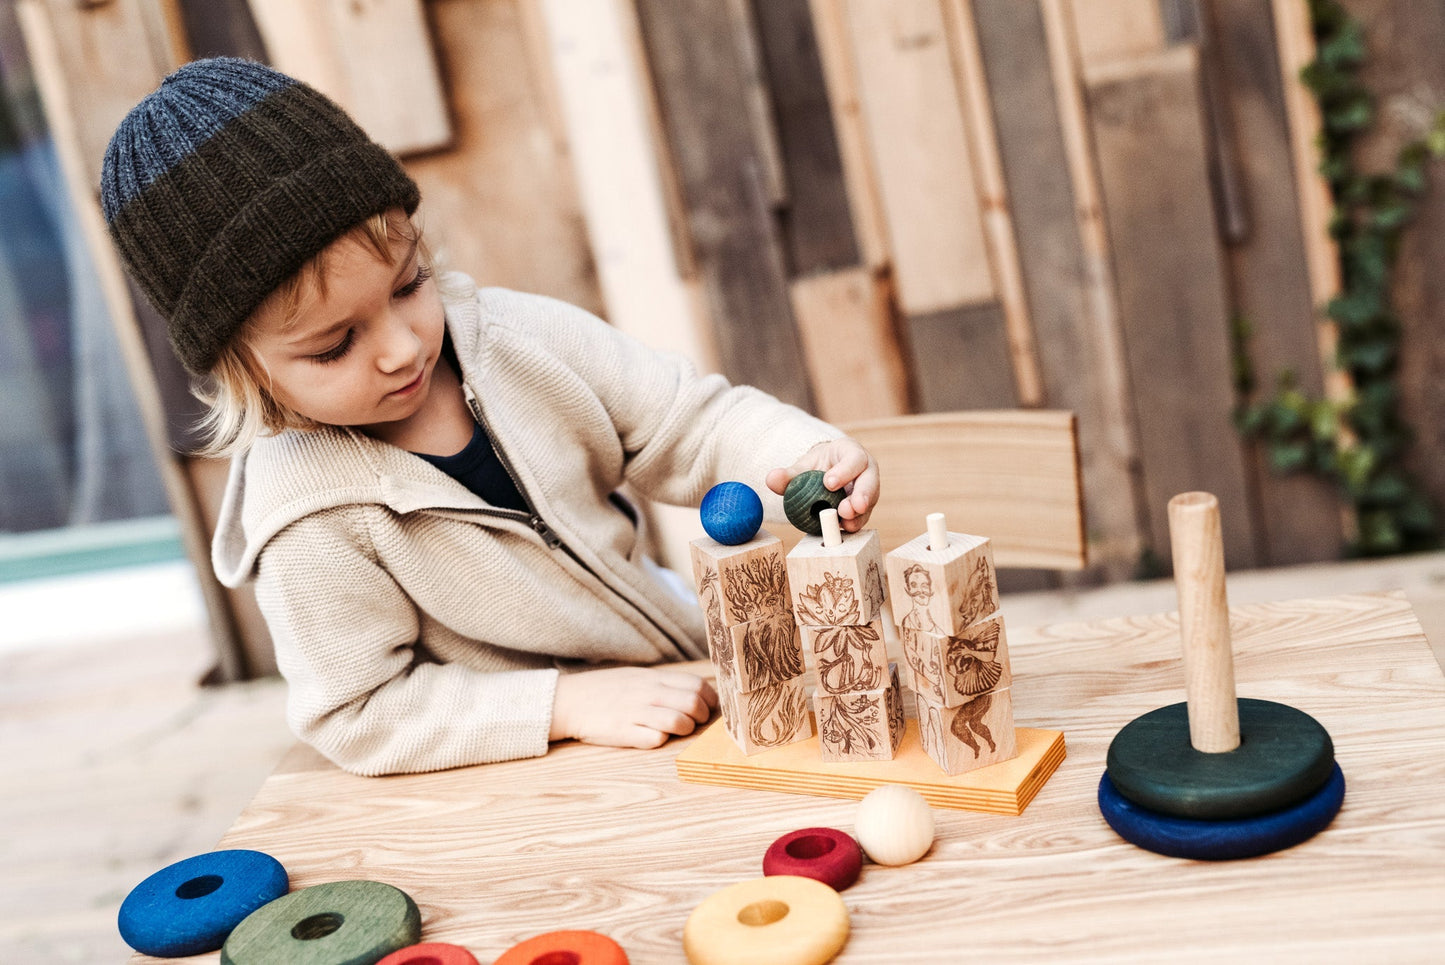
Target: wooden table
x: 610, y: 840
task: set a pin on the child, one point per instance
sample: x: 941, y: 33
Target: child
x: 425, y: 474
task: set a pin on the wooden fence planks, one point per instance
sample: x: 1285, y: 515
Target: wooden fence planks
x: 930, y: 198
x: 1149, y: 134
x: 1299, y: 514
x: 693, y: 47
x: 1073, y: 362
x: 960, y: 359
x: 845, y: 319
x: 1114, y: 30
x: 373, y: 57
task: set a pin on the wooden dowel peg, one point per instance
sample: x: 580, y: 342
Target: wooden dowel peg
x: 832, y: 531
x: 937, y: 531
x: 1198, y: 549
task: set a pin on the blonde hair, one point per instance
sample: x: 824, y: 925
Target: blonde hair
x: 237, y: 390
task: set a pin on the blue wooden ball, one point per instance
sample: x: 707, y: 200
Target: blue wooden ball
x: 189, y: 907
x: 731, y: 513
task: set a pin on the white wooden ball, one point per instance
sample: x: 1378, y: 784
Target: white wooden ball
x: 894, y: 825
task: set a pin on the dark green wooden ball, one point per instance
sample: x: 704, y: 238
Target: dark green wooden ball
x: 806, y: 497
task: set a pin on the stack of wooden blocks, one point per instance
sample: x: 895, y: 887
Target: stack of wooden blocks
x: 753, y: 640
x: 836, y: 583
x: 945, y: 601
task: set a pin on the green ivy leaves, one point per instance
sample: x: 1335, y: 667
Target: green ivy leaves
x: 1359, y: 442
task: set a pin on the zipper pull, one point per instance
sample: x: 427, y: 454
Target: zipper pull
x: 549, y: 536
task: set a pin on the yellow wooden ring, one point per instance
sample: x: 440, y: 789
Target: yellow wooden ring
x: 777, y: 920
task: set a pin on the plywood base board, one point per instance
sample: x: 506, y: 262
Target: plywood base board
x: 1005, y: 788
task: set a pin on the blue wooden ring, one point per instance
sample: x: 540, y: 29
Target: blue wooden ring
x: 189, y: 907
x: 731, y: 513
x: 1221, y: 840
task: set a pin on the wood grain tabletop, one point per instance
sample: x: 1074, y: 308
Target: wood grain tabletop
x: 611, y: 840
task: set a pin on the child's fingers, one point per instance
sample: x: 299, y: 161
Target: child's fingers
x: 778, y: 479
x: 666, y: 720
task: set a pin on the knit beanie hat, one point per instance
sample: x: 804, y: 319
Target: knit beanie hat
x: 224, y: 181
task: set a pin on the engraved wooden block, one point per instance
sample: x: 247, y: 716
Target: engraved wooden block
x: 848, y: 658
x: 974, y: 734
x: 739, y: 583
x: 952, y: 670
x: 760, y: 652
x: 865, y: 725
x: 768, y: 717
x: 942, y: 591
x: 836, y: 585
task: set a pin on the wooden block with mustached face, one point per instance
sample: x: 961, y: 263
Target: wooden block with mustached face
x: 974, y: 734
x: 760, y: 652
x: 942, y: 590
x: 736, y: 584
x: 848, y: 658
x: 836, y: 585
x: 863, y: 725
x: 771, y: 716
x: 952, y: 670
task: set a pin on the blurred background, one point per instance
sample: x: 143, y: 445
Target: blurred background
x: 1214, y: 229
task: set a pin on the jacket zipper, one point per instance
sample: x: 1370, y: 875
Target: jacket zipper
x: 539, y: 525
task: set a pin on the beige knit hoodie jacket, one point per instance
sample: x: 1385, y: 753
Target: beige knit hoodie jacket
x: 419, y: 627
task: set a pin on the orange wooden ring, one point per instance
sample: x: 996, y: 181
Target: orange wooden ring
x: 430, y: 953
x: 565, y: 948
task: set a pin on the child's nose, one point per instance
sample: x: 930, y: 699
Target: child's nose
x: 398, y: 348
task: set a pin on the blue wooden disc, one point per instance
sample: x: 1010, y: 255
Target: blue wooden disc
x: 189, y: 907
x: 731, y: 513
x: 1284, y: 756
x: 1221, y: 840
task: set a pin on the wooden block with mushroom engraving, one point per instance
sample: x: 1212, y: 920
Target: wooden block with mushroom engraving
x: 848, y: 658
x: 836, y: 585
x: 974, y: 734
x: 942, y: 590
x: 736, y: 584
x: 760, y: 652
x: 862, y: 725
x: 768, y: 717
x: 952, y: 670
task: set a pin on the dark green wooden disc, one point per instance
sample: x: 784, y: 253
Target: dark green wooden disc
x: 1283, y: 757
x: 337, y: 923
x: 806, y: 497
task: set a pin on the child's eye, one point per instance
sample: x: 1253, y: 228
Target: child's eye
x: 337, y: 351
x: 410, y: 288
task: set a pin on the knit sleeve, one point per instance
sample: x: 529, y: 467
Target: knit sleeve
x: 361, y: 689
x: 682, y: 432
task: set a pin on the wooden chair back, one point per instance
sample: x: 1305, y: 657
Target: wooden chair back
x: 1011, y: 475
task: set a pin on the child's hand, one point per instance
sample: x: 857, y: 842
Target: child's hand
x: 846, y: 465
x: 629, y: 706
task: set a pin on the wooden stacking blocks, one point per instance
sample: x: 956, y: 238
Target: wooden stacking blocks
x: 836, y: 586
x: 753, y: 641
x: 945, y: 600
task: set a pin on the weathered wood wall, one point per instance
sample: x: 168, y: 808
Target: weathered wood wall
x: 870, y: 207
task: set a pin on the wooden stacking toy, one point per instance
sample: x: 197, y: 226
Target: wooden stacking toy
x: 189, y: 907
x: 824, y: 854
x: 431, y: 953
x: 753, y: 640
x: 340, y: 921
x: 1216, y: 777
x: 774, y: 920
x: 571, y: 947
x: 805, y: 498
x: 836, y: 585
x: 945, y: 601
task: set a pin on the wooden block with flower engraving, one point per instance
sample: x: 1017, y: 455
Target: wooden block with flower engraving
x: 974, y: 734
x: 760, y: 652
x: 836, y: 585
x: 865, y: 725
x: 942, y: 590
x: 736, y: 584
x: 952, y: 670
x: 765, y: 718
x: 848, y: 658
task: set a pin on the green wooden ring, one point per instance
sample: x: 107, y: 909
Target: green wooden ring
x: 806, y: 497
x: 1283, y: 757
x: 337, y: 923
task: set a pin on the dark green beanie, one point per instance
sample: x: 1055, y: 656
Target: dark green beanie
x: 227, y: 179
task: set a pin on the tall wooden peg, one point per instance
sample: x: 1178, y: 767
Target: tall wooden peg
x: 937, y: 532
x: 832, y: 531
x: 1198, y: 548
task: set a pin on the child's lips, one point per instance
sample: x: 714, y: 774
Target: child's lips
x: 411, y: 386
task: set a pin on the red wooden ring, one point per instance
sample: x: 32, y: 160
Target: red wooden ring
x: 565, y: 948
x: 430, y: 953
x: 823, y: 854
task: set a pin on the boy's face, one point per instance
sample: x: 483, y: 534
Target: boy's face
x: 363, y: 352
